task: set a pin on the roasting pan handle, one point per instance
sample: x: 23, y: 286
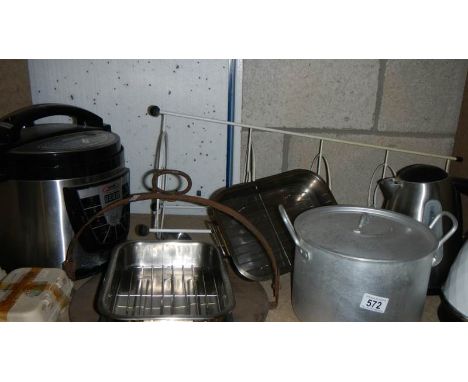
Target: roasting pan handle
x: 69, y: 265
x: 218, y: 238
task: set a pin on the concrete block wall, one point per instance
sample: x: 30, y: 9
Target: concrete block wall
x: 412, y: 104
x: 15, y: 91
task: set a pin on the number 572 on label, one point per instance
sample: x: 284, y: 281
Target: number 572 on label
x: 374, y: 303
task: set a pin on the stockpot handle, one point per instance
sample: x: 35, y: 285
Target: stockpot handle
x: 438, y: 258
x: 289, y: 226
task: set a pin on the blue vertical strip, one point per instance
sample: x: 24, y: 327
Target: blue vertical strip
x: 230, y: 118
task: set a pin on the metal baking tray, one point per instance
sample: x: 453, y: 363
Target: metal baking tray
x: 157, y: 280
x: 297, y: 190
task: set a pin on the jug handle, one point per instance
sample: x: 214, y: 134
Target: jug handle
x: 437, y: 259
x: 289, y: 226
x: 461, y: 184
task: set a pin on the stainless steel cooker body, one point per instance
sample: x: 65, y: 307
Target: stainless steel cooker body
x: 361, y: 264
x: 35, y: 227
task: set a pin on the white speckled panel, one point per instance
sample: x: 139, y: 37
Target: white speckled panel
x: 120, y: 92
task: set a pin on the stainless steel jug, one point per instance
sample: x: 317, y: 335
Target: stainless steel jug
x: 422, y: 192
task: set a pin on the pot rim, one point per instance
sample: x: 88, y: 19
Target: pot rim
x: 311, y: 247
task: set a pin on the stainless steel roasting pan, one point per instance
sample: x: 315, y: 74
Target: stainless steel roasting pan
x: 160, y: 280
x: 297, y: 190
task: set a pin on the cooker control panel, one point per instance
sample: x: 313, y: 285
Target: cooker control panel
x: 83, y: 203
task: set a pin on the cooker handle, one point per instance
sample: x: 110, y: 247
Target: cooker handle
x: 289, y: 226
x: 28, y: 115
x: 7, y: 134
x: 438, y: 255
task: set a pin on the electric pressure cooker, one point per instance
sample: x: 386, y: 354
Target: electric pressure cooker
x: 53, y: 178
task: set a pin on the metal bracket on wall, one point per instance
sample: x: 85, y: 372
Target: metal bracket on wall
x: 158, y: 112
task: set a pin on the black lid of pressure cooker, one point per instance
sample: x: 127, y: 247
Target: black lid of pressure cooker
x: 31, y: 151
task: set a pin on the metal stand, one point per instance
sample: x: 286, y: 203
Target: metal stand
x: 155, y: 111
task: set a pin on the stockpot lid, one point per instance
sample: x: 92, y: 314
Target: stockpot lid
x: 365, y: 233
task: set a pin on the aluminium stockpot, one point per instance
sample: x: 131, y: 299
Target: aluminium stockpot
x: 362, y: 264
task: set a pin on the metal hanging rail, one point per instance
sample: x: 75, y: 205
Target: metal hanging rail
x: 155, y: 111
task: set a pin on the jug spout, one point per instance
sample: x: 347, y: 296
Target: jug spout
x: 389, y: 186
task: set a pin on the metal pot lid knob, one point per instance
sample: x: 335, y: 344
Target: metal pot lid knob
x: 363, y: 220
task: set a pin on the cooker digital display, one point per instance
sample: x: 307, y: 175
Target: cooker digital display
x: 108, y: 198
